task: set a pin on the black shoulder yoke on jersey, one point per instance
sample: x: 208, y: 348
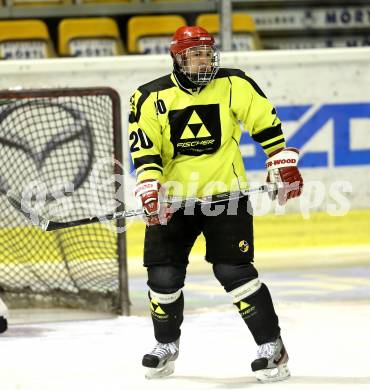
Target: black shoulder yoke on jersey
x: 159, y: 84
x: 228, y: 72
x: 156, y: 85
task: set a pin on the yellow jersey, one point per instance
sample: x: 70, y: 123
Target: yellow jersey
x: 188, y: 139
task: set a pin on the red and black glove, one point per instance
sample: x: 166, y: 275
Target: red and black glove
x: 282, y: 169
x: 148, y: 194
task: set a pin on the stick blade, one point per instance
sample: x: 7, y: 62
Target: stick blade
x: 16, y: 202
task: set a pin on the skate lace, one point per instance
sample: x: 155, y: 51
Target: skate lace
x: 267, y: 350
x: 162, y: 350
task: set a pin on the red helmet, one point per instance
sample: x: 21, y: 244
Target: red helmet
x: 189, y: 36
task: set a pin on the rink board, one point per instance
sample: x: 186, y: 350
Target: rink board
x: 283, y: 242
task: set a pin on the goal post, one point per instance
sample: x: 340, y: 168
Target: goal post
x: 61, y: 149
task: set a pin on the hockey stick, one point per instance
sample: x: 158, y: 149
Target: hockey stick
x: 49, y: 225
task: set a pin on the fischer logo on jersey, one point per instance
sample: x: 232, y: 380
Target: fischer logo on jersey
x: 195, y: 130
x: 195, y: 143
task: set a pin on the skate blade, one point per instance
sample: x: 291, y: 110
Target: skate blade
x: 273, y: 374
x: 155, y: 373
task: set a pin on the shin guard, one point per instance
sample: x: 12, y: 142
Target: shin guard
x: 255, y: 306
x: 167, y: 315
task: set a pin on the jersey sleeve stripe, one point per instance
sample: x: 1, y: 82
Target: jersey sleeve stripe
x: 140, y: 171
x: 272, y: 140
x: 148, y: 159
x: 267, y: 134
x: 270, y: 145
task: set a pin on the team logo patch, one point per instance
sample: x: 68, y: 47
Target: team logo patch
x: 246, y: 310
x: 243, y: 246
x: 195, y: 130
x: 157, y: 311
x: 243, y: 305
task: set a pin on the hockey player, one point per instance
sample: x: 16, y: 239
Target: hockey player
x: 184, y: 129
x: 3, y: 317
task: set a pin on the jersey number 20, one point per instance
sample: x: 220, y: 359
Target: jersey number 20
x: 141, y: 137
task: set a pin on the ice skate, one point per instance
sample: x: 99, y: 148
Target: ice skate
x: 3, y: 317
x: 3, y: 324
x: 271, y: 362
x: 160, y: 360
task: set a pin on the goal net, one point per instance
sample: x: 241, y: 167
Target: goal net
x: 60, y: 150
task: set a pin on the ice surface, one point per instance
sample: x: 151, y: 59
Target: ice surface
x: 326, y: 329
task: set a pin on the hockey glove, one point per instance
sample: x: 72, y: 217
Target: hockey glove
x: 282, y: 169
x: 148, y: 194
